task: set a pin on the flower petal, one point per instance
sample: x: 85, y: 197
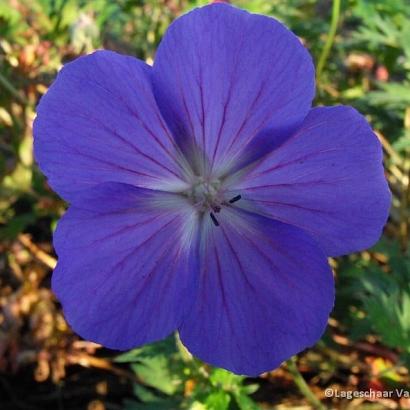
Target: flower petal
x: 328, y: 179
x: 99, y: 122
x: 222, y: 75
x: 265, y: 293
x: 127, y: 266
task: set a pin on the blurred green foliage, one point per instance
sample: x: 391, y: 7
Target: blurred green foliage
x: 185, y: 383
x: 368, y: 67
x: 384, y: 296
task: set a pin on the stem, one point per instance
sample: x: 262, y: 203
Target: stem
x: 12, y: 90
x: 330, y: 38
x: 302, y: 385
x: 185, y: 355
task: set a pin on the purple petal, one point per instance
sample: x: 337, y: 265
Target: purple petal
x: 265, y: 293
x: 99, y: 122
x: 222, y: 75
x: 127, y: 266
x: 328, y: 179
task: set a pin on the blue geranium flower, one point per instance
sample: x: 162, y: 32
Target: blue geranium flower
x: 205, y: 192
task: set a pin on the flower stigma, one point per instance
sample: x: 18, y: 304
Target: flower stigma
x: 207, y: 195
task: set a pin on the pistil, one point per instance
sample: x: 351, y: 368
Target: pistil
x: 208, y: 196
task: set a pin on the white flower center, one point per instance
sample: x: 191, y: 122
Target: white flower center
x: 206, y: 195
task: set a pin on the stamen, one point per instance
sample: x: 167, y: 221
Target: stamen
x: 216, y: 208
x: 214, y: 220
x: 235, y: 199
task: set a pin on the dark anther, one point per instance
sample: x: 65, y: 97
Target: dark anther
x: 234, y: 199
x: 216, y: 208
x: 214, y: 220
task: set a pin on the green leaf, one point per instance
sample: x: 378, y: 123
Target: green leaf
x: 164, y: 347
x: 388, y: 310
x: 154, y: 364
x: 225, y: 380
x: 155, y: 372
x: 244, y: 402
x: 16, y: 225
x: 403, y: 143
x: 218, y: 400
x: 391, y: 94
x: 144, y: 394
x: 250, y: 388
